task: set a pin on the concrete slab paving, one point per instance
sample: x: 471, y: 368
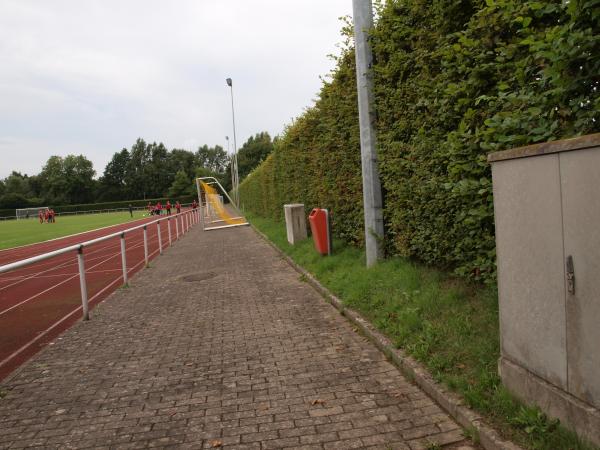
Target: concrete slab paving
x: 218, y: 345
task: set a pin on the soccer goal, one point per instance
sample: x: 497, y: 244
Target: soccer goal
x: 29, y: 213
x: 214, y: 214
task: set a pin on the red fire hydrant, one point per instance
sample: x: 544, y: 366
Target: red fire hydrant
x: 321, y: 232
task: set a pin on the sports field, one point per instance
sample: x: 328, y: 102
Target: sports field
x: 14, y: 233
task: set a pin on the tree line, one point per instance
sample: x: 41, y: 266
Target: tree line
x: 147, y: 170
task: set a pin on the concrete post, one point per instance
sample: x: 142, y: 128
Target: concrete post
x: 372, y: 200
x: 295, y: 222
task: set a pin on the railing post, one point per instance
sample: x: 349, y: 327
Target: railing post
x: 202, y: 215
x: 123, y: 259
x: 146, y: 245
x: 169, y: 229
x: 182, y: 229
x: 177, y: 227
x: 159, y: 237
x: 82, y: 284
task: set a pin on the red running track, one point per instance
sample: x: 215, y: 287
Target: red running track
x: 40, y: 301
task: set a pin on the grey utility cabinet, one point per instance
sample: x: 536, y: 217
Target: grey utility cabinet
x: 547, y: 214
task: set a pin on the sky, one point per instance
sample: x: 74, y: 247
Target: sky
x: 90, y: 77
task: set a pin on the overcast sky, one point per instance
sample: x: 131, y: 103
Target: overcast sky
x: 90, y: 77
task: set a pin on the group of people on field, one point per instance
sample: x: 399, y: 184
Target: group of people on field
x: 47, y: 215
x: 156, y: 210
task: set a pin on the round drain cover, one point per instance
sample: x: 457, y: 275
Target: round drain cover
x: 195, y: 277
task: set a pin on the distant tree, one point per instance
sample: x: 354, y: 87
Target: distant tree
x: 160, y: 177
x: 214, y: 158
x: 13, y: 200
x: 20, y: 191
x: 113, y: 183
x: 36, y: 190
x: 144, y: 171
x: 53, y: 181
x: 182, y: 160
x: 17, y: 183
x: 253, y: 152
x: 79, y: 179
x: 68, y: 180
x: 182, y: 185
x: 137, y: 179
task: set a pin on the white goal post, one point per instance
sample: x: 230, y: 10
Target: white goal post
x: 212, y: 210
x: 29, y: 213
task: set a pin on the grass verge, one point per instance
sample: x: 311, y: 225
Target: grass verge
x: 446, y: 323
x: 14, y: 233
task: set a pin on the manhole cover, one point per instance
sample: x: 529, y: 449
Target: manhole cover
x: 195, y: 277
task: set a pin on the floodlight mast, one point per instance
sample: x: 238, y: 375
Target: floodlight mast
x: 231, y: 164
x: 234, y: 166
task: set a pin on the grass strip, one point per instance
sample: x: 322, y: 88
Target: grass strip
x: 448, y: 324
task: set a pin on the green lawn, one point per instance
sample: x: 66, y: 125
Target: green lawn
x: 449, y: 325
x: 14, y: 233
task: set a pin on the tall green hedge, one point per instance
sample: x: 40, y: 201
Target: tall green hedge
x: 454, y: 80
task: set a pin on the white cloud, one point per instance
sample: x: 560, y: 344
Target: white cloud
x: 90, y: 77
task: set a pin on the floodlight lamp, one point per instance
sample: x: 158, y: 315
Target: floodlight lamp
x: 229, y: 82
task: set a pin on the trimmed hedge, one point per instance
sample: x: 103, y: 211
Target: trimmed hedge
x: 454, y: 80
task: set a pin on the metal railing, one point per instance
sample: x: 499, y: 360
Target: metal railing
x: 187, y: 219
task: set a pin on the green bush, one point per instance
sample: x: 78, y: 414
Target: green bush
x: 454, y: 80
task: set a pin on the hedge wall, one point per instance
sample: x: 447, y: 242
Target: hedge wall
x: 454, y: 80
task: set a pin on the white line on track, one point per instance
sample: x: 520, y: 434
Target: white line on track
x: 100, y: 248
x: 64, y: 274
x: 47, y: 330
x: 71, y: 277
x: 51, y: 264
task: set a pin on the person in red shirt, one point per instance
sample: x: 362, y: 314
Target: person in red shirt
x: 158, y: 209
x: 41, y: 216
x: 168, y: 206
x: 194, y: 204
x: 47, y: 216
x: 178, y: 206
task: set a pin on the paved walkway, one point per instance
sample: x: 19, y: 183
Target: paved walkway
x: 218, y: 344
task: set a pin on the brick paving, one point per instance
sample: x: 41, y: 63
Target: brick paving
x: 218, y: 345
